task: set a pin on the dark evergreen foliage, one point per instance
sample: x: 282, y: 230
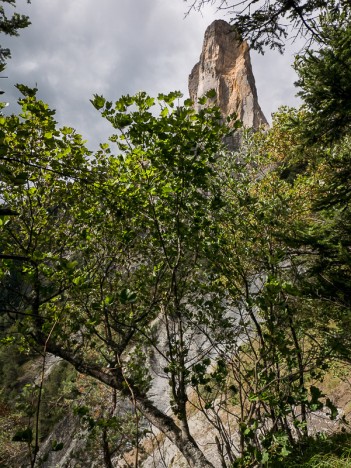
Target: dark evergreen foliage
x: 10, y: 25
x: 325, y: 80
x: 270, y: 23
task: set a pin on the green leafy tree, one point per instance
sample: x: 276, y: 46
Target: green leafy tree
x: 162, y: 246
x: 113, y: 245
x: 268, y: 371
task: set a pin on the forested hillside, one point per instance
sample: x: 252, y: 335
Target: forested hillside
x: 198, y: 299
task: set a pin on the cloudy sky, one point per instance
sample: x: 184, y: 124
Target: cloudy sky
x: 75, y: 48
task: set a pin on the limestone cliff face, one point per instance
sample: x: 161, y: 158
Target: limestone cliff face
x: 225, y: 66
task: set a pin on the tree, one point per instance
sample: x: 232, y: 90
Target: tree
x: 269, y: 23
x: 163, y: 244
x: 171, y: 250
x: 281, y: 343
x: 325, y: 133
x: 10, y: 26
x: 114, y: 245
x: 19, y: 156
x: 324, y: 80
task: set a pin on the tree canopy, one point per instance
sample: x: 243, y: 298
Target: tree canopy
x: 184, y: 280
x: 270, y: 23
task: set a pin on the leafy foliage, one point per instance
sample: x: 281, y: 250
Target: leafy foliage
x: 324, y: 79
x: 333, y: 451
x: 163, y: 256
x: 270, y: 23
x: 10, y: 26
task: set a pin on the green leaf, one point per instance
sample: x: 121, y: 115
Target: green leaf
x: 109, y: 300
x: 149, y: 102
x: 315, y: 393
x: 265, y: 457
x: 127, y: 296
x: 333, y: 409
x: 56, y: 446
x: 81, y: 410
x: 211, y: 94
x: 26, y: 90
x: 315, y: 404
x: 188, y: 103
x: 285, y: 452
x: 98, y: 101
x: 21, y: 178
x: 24, y: 435
x: 67, y: 130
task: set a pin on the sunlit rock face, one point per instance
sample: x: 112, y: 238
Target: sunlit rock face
x: 225, y: 66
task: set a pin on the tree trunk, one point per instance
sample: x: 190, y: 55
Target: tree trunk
x: 185, y: 444
x: 106, y: 449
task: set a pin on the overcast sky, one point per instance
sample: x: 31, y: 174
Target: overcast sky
x: 75, y: 48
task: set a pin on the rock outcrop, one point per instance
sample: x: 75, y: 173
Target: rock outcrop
x: 225, y: 66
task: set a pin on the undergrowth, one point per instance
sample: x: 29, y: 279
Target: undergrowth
x: 322, y: 451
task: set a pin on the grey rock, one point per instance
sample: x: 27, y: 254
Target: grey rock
x: 225, y: 66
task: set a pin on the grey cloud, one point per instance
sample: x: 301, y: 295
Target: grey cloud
x: 75, y: 48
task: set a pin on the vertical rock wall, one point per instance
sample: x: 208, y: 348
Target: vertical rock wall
x: 225, y: 66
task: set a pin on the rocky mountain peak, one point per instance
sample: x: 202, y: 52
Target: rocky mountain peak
x: 225, y: 66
